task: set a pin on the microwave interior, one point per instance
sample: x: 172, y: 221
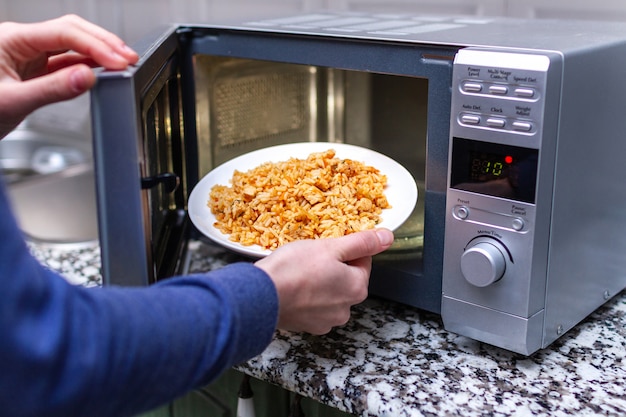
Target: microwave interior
x: 243, y: 105
x: 204, y: 106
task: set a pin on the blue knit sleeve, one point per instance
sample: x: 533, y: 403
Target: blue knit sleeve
x: 73, y: 351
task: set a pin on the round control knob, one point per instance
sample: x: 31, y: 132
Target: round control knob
x: 483, y: 262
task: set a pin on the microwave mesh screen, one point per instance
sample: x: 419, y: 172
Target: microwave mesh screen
x: 243, y: 105
x: 256, y: 106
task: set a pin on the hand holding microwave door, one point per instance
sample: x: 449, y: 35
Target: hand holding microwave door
x: 400, y: 191
x: 68, y: 350
x: 34, y: 77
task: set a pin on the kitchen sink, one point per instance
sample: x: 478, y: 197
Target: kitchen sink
x: 58, y: 207
x: 26, y: 152
x: 50, y: 181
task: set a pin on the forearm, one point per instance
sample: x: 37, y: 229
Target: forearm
x: 116, y: 351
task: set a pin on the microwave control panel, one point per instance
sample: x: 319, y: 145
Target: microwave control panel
x: 500, y: 94
x: 497, y: 114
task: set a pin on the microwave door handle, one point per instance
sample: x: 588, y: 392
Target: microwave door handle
x: 169, y: 180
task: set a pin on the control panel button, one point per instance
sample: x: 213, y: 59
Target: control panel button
x: 470, y: 119
x: 472, y: 87
x: 480, y: 216
x: 483, y: 262
x: 517, y: 224
x: 524, y: 92
x: 522, y: 126
x: 496, y: 122
x: 461, y: 212
x: 498, y: 89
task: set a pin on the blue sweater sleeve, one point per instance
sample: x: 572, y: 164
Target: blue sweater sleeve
x: 73, y: 351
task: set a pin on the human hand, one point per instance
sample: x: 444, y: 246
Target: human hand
x: 319, y: 280
x: 46, y: 62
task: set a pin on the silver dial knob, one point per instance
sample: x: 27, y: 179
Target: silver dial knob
x: 483, y: 262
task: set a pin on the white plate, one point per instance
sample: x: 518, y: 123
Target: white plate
x: 401, y: 190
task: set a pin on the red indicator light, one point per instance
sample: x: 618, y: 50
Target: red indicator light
x: 508, y: 159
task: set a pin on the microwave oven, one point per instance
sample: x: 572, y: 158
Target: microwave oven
x: 514, y: 131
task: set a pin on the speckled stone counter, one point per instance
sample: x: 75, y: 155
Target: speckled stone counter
x: 393, y: 360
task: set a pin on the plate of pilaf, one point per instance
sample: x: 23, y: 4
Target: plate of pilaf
x: 261, y: 200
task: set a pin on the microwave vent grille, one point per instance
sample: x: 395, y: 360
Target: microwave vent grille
x: 262, y: 107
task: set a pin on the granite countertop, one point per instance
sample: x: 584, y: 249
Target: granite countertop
x: 394, y: 360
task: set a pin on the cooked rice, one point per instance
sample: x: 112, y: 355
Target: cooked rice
x: 321, y: 196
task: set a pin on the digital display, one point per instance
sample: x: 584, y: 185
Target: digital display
x: 489, y: 166
x: 494, y: 169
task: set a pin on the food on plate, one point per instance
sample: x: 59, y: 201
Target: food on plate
x: 317, y: 197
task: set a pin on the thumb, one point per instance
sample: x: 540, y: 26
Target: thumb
x: 362, y: 244
x: 64, y: 84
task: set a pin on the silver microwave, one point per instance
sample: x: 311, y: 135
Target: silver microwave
x: 514, y: 130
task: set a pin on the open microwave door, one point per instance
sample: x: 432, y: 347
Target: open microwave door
x: 142, y: 174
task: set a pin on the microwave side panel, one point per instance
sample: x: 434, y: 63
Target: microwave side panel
x: 117, y: 145
x: 587, y: 261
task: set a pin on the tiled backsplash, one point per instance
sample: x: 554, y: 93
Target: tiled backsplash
x: 133, y: 18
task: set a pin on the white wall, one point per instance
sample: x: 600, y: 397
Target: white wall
x: 133, y: 18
